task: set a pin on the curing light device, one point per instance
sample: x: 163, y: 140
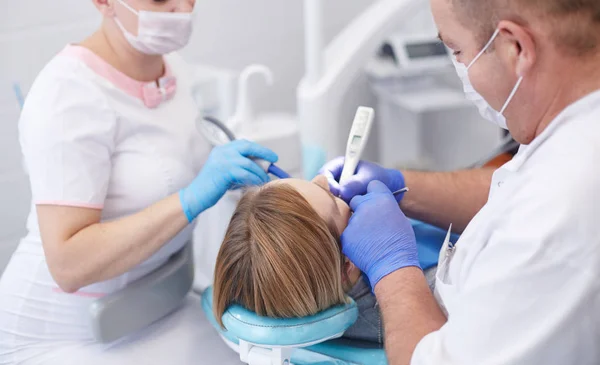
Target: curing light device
x: 359, y: 135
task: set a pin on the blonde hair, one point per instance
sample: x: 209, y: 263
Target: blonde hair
x: 279, y: 258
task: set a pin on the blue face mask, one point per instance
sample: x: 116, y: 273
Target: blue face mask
x: 484, y: 108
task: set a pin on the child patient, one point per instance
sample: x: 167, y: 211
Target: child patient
x: 281, y: 257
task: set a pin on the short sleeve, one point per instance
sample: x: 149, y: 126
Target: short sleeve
x: 67, y: 136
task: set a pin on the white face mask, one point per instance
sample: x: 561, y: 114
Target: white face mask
x: 484, y: 108
x: 159, y: 33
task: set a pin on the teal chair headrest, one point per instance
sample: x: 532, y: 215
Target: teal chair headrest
x: 248, y: 326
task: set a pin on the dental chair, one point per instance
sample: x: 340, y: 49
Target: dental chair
x: 258, y: 340
x: 312, y: 340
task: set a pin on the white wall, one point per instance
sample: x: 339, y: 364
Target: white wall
x: 229, y: 33
x: 263, y: 31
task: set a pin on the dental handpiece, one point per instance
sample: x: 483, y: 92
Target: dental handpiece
x: 277, y: 171
x: 272, y: 169
x: 267, y: 167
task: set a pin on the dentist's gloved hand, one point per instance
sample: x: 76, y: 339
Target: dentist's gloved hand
x: 379, y: 238
x: 357, y: 184
x: 228, y: 167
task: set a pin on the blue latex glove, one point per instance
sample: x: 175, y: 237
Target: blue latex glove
x: 357, y: 184
x: 379, y: 238
x: 228, y: 167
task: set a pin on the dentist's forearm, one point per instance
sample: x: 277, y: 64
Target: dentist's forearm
x: 409, y: 312
x: 442, y: 198
x: 102, y: 251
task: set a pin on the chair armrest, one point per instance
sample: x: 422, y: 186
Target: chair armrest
x: 145, y: 300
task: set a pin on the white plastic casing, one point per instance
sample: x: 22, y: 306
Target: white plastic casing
x: 359, y: 135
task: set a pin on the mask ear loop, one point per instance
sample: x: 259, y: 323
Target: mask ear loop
x: 485, y: 48
x: 515, y: 89
x: 118, y: 22
x: 511, y: 96
x: 128, y: 7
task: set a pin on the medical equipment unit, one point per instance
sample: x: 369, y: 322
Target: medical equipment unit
x: 359, y: 136
x: 425, y: 121
x: 331, y: 71
x: 428, y: 125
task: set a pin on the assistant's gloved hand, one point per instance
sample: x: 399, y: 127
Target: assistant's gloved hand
x: 228, y: 166
x: 379, y: 238
x: 357, y: 184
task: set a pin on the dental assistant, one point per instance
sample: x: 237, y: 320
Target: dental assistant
x: 118, y: 175
x: 521, y: 285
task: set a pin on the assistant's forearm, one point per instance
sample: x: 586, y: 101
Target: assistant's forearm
x: 105, y: 250
x: 409, y: 311
x: 442, y: 198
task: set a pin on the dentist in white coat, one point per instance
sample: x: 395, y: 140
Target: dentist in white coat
x: 118, y: 175
x: 521, y: 285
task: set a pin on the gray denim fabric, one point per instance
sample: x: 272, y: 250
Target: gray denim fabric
x: 369, y: 326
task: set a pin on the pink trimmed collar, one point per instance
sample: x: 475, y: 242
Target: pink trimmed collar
x: 151, y: 94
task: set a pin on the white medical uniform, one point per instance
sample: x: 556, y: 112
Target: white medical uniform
x: 523, y: 283
x: 93, y: 137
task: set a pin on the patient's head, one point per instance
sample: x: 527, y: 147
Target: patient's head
x: 281, y: 256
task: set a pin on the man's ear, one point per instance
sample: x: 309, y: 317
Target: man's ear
x: 519, y: 45
x: 106, y: 7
